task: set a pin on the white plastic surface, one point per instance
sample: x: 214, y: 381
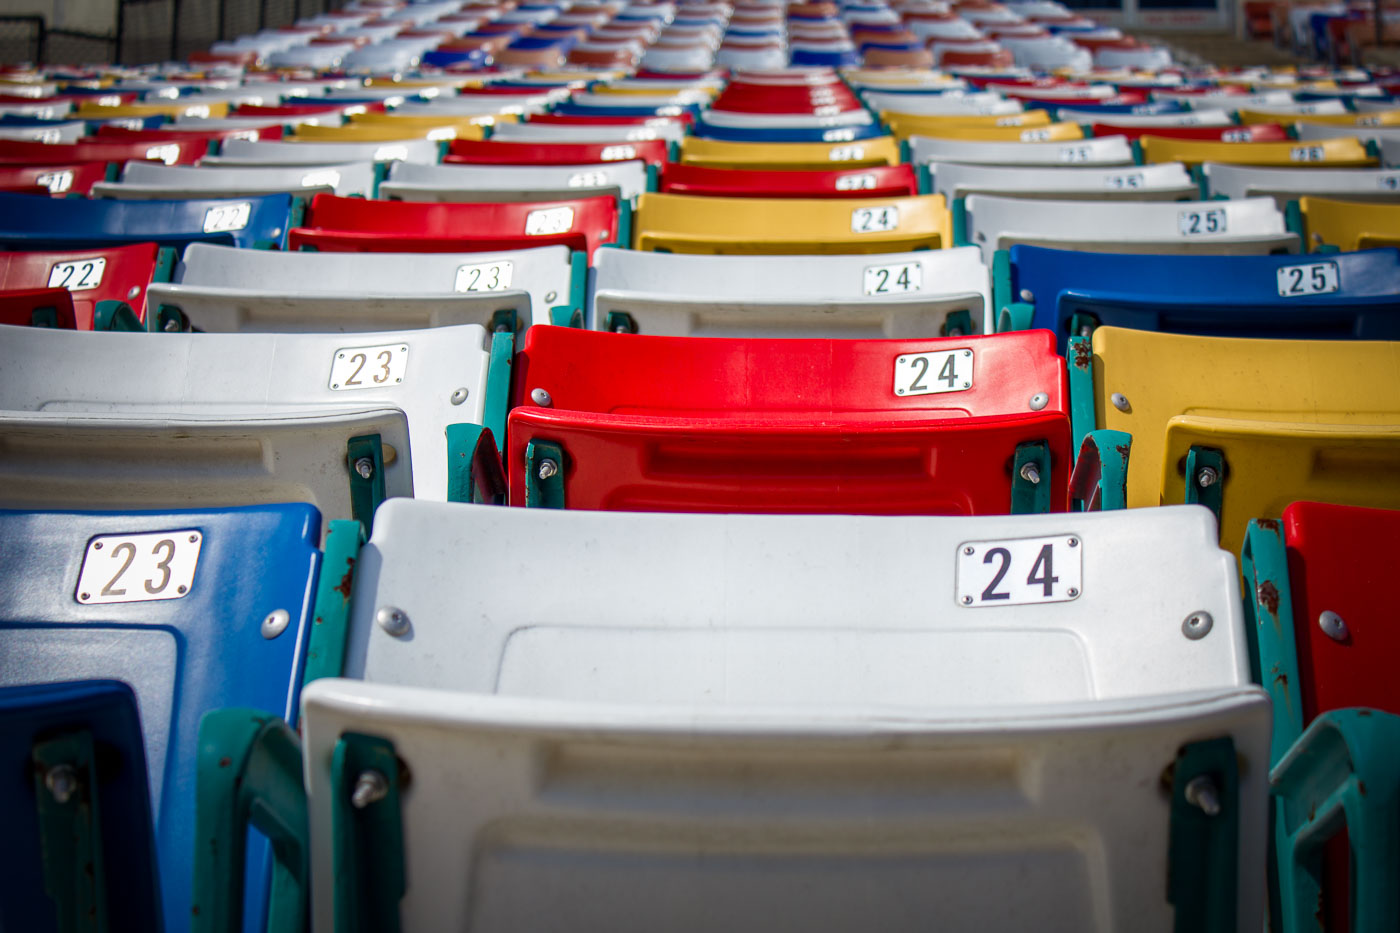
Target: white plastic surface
x: 413, y: 181
x: 1286, y: 184
x: 282, y: 152
x: 1104, y: 150
x: 1167, y: 181
x: 147, y: 180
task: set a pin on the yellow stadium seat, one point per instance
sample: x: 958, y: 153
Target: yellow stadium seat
x: 681, y: 223
x: 919, y: 124
x: 651, y: 91
x: 1332, y: 153
x: 1049, y: 132
x: 1275, y: 420
x: 183, y: 107
x: 389, y: 132
x: 430, y: 121
x: 1374, y: 118
x: 719, y: 153
x: 1348, y: 225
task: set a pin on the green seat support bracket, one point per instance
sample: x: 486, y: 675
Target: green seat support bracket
x: 168, y: 319
x: 364, y: 460
x: 1205, y: 478
x: 960, y: 222
x: 367, y: 835
x: 620, y: 322
x: 957, y: 323
x: 1030, y: 478
x: 166, y: 258
x: 1099, y: 482
x: 1203, y: 847
x: 545, y: 463
x: 46, y: 316
x: 115, y: 315
x: 1268, y: 604
x: 498, y: 377
x: 571, y: 314
x: 70, y: 844
x: 1083, y: 324
x: 330, y: 623
x: 1079, y: 362
x: 505, y: 321
x: 474, y: 469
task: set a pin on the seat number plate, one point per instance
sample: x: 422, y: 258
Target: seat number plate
x: 549, y: 221
x: 487, y: 277
x: 77, y: 276
x: 1196, y: 223
x: 56, y: 182
x: 227, y: 217
x: 588, y: 180
x: 861, y: 182
x: 874, y: 219
x: 617, y: 153
x: 1039, y: 134
x: 1314, y: 278
x: 933, y: 373
x: 1019, y: 571
x: 321, y: 178
x: 1077, y: 154
x: 895, y: 279
x: 846, y: 153
x: 1123, y: 181
x: 1307, y: 154
x: 369, y: 367
x: 136, y: 568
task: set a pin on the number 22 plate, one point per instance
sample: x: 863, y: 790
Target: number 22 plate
x: 1019, y: 571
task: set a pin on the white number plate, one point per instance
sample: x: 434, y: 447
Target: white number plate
x: 369, y: 367
x: 321, y: 178
x: 77, y: 276
x: 548, y: 221
x: 56, y: 182
x: 1314, y: 278
x: 1019, y: 571
x: 1196, y: 223
x: 1307, y: 154
x: 846, y: 153
x: 390, y: 153
x: 1237, y: 136
x: 487, y: 277
x: 874, y: 219
x: 136, y: 568
x: 1076, y: 154
x: 933, y: 373
x: 1039, y: 134
x: 588, y: 180
x: 860, y: 182
x: 1133, y: 180
x: 168, y: 154
x: 895, y: 279
x: 227, y: 217
x: 617, y: 153
x: 839, y: 135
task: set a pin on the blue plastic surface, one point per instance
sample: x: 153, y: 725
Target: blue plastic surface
x: 183, y: 657
x: 77, y: 223
x: 1225, y: 296
x: 787, y: 134
x: 107, y: 710
x: 843, y: 58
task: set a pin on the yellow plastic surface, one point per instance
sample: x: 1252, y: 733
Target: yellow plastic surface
x: 919, y: 124
x: 1049, y: 132
x: 655, y: 91
x: 1374, y: 118
x: 720, y: 153
x: 430, y: 121
x: 1349, y: 225
x: 1329, y: 153
x: 681, y: 223
x: 185, y: 106
x: 1294, y: 419
x: 388, y: 132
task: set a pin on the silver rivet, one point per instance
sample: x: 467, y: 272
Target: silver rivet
x: 1072, y: 592
x: 171, y: 326
x: 541, y: 397
x: 391, y: 620
x: 133, y: 291
x: 1030, y: 473
x: 502, y: 329
x: 1028, y: 296
x: 967, y: 353
x: 1202, y: 792
x: 1197, y: 625
x: 275, y: 623
x: 903, y: 359
x: 1207, y: 477
x: 1120, y: 401
x: 547, y: 469
x: 62, y: 782
x: 1333, y: 625
x: 194, y: 538
x: 1074, y: 542
x: 365, y: 467
x: 1086, y: 330
x: 370, y: 787
x: 969, y: 550
x: 97, y: 546
x: 459, y: 396
x: 85, y: 596
x: 550, y: 296
x: 620, y: 329
x: 1039, y: 401
x: 967, y: 600
x: 967, y: 385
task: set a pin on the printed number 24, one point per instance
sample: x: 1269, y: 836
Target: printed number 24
x: 1042, y: 571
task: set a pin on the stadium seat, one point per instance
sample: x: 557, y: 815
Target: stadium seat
x: 941, y: 105
x: 718, y: 153
x: 119, y: 273
x: 1323, y: 629
x: 557, y: 132
x: 680, y: 223
x: 750, y: 736
x: 153, y: 181
x: 896, y: 295
x: 1286, y: 184
x: 1168, y: 118
x: 74, y: 224
x: 1047, y: 132
x: 1345, y: 152
x: 287, y: 152
x: 411, y: 181
x: 221, y: 289
x: 393, y: 130
x: 133, y: 597
x: 512, y: 152
x: 127, y: 420
x: 1347, y: 225
x: 38, y: 307
x: 1345, y: 295
x: 1251, y: 226
x: 88, y: 149
x: 75, y: 178
x: 1257, y: 133
x: 910, y: 124
x: 1245, y: 426
x: 1166, y: 182
x: 875, y: 181
x: 1107, y: 150
x: 75, y: 789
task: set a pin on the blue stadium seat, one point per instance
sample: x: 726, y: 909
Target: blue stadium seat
x: 788, y: 134
x: 74, y: 223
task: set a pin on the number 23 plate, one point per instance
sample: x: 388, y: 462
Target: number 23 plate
x: 136, y: 568
x: 1020, y: 570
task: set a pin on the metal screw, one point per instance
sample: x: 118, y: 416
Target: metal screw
x: 1030, y: 474
x: 1197, y: 625
x: 275, y: 623
x: 62, y: 782
x: 1072, y: 592
x: 969, y: 551
x: 171, y: 326
x: 541, y: 397
x: 1333, y: 625
x: 391, y: 620
x: 365, y: 467
x: 1027, y: 296
x: 502, y: 329
x: 1074, y: 542
x: 967, y: 385
x: 550, y: 296
x: 903, y: 359
x: 1086, y: 330
x: 1120, y: 401
x: 133, y: 291
x: 547, y: 469
x: 1206, y: 477
x: 97, y: 546
x: 1202, y: 792
x: 967, y: 600
x: 194, y: 538
x: 370, y: 787
x: 85, y: 596
x: 967, y: 353
x: 619, y: 328
x: 458, y: 397
x: 1039, y: 401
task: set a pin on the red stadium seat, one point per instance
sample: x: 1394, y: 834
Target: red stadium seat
x: 787, y: 425
x: 59, y: 180
x: 880, y: 181
x: 118, y: 273
x: 92, y: 149
x: 38, y: 307
x: 177, y: 132
x: 1254, y: 133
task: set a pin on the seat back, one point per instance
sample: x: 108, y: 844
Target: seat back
x: 1169, y: 182
x: 311, y: 152
x: 842, y: 766
x: 151, y: 180
x: 410, y: 181
x: 38, y: 307
x: 1285, y: 184
x: 1348, y: 225
x: 512, y: 152
x: 720, y: 153
x: 131, y: 597
x: 171, y: 152
x: 1343, y: 152
x: 875, y: 181
x: 1106, y: 150
x: 73, y: 178
x: 72, y: 223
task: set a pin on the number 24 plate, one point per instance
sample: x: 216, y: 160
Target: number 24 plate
x: 1020, y: 570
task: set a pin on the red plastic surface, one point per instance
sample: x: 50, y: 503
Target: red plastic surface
x: 127, y: 272
x: 52, y: 179
x: 499, y: 152
x: 17, y: 307
x: 888, y: 181
x: 174, y: 133
x: 91, y: 149
x: 699, y: 424
x: 357, y: 225
x: 296, y: 110
x: 570, y: 119
x: 1254, y: 133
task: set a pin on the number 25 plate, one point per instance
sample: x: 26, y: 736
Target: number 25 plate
x: 1020, y: 570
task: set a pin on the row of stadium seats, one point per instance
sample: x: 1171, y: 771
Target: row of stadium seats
x: 442, y: 498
